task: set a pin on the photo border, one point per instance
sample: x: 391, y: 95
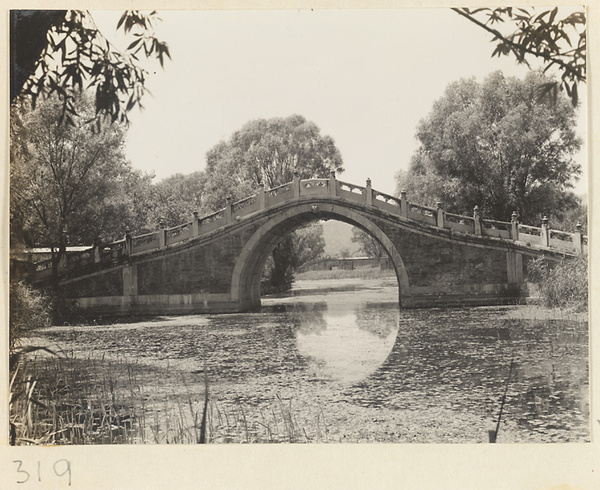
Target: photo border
x: 344, y: 466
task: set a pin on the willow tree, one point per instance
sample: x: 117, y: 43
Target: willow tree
x: 62, y: 52
x: 556, y: 37
x: 498, y: 146
x: 68, y: 181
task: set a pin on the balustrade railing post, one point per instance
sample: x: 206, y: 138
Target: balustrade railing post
x: 195, y: 225
x: 514, y: 230
x: 332, y: 184
x: 296, y: 184
x: 261, y: 197
x: 162, y: 234
x: 403, y: 204
x: 545, y: 234
x: 578, y: 239
x: 440, y: 215
x: 369, y: 193
x: 228, y: 209
x: 476, y: 221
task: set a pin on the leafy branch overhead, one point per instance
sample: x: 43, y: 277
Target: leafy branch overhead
x: 77, y: 56
x: 559, y: 42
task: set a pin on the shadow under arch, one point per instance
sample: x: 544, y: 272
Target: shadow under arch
x: 247, y: 273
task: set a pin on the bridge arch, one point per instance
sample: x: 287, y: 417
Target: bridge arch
x: 214, y: 263
x: 247, y: 273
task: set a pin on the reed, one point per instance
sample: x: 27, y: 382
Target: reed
x: 61, y: 400
x: 563, y: 285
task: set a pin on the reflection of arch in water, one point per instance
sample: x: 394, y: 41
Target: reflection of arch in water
x: 312, y: 321
x: 307, y: 317
x: 380, y: 319
x: 343, y: 351
x: 247, y: 273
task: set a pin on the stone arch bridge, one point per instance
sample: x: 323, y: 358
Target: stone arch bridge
x: 214, y: 263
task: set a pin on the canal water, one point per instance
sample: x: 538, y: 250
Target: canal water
x: 344, y: 364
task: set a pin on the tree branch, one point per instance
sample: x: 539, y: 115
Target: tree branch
x: 518, y: 47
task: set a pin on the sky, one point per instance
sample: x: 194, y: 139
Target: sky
x: 365, y: 77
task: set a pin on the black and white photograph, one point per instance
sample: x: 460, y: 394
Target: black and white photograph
x: 298, y: 226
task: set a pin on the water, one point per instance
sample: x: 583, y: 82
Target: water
x: 347, y: 365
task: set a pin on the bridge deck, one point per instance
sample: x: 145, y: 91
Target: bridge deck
x: 526, y: 237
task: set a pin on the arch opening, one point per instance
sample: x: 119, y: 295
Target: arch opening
x: 247, y: 274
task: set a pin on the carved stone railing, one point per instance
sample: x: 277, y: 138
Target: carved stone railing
x: 498, y: 229
x: 423, y: 214
x: 245, y: 206
x: 43, y: 265
x: 279, y: 195
x: 386, y: 202
x: 145, y: 243
x: 112, y: 251
x: 459, y: 224
x: 212, y: 222
x: 351, y: 192
x: 314, y: 187
x: 560, y: 239
x: 538, y: 237
x: 529, y: 233
x: 178, y: 234
x: 82, y: 259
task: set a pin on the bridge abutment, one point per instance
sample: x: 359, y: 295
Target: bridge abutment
x: 130, y: 286
x: 514, y: 267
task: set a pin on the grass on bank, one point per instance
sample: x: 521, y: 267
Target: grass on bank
x: 562, y: 285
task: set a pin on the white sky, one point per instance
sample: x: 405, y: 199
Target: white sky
x: 365, y: 77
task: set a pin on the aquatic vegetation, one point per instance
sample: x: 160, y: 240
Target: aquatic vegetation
x: 281, y: 375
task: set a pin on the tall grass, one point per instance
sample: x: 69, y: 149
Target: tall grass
x: 56, y: 398
x: 93, y: 401
x: 561, y: 285
x: 28, y: 309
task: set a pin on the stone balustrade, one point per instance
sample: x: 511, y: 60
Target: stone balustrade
x: 539, y: 237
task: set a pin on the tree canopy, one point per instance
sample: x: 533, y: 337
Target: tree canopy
x: 560, y: 41
x: 62, y: 52
x: 310, y: 243
x: 173, y: 200
x: 368, y: 245
x: 495, y: 145
x: 267, y: 152
x: 67, y: 181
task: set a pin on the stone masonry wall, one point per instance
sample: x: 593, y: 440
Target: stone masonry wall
x: 438, y: 263
x: 108, y: 284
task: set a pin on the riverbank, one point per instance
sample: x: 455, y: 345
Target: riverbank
x: 337, y: 274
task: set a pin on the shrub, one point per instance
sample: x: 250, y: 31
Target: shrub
x: 561, y: 285
x: 28, y: 309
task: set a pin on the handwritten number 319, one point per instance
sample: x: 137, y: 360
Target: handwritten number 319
x: 61, y: 467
